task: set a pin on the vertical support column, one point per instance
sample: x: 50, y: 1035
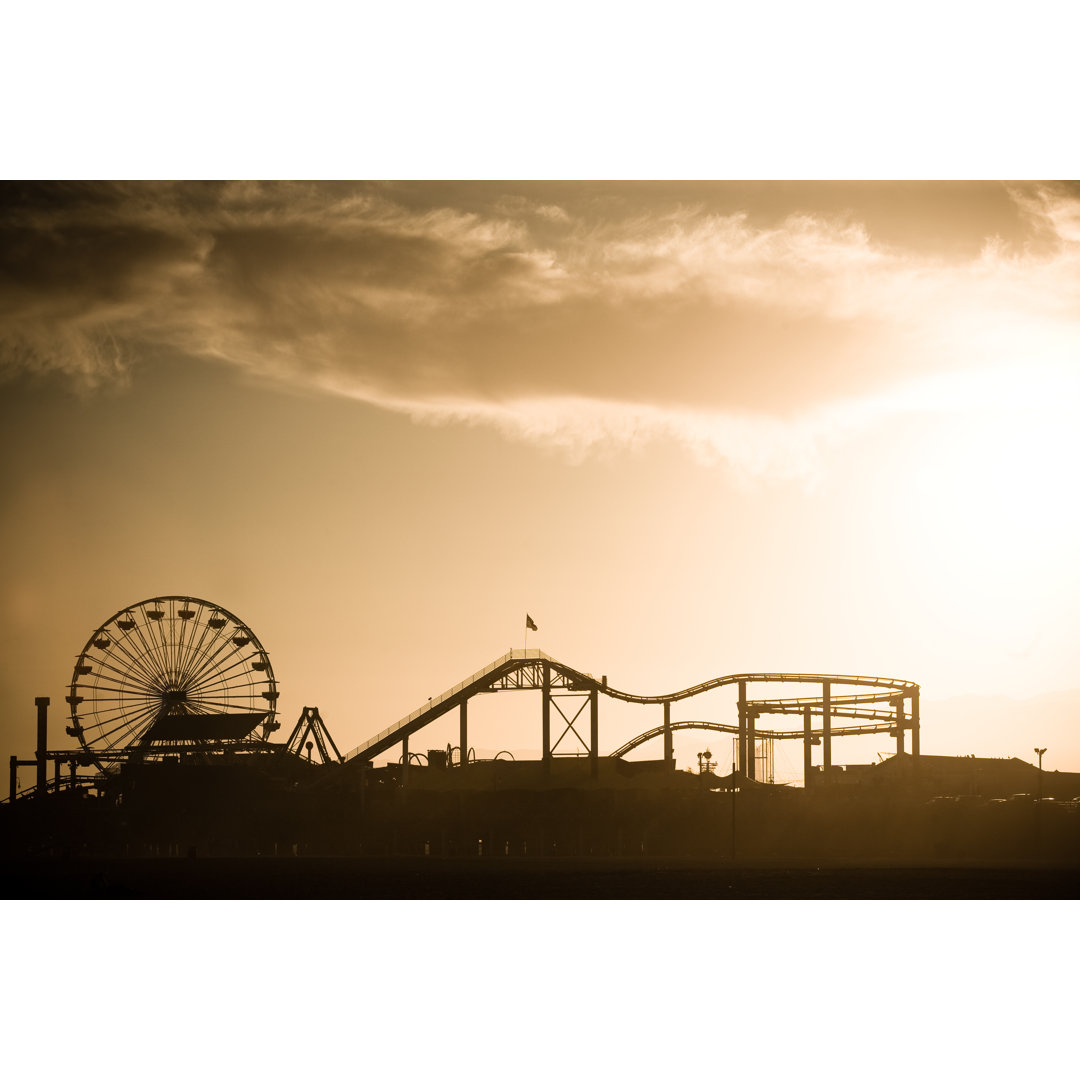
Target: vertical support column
x: 751, y: 744
x: 742, y: 727
x: 463, y: 731
x: 72, y: 766
x: 56, y: 774
x: 915, y: 728
x: 669, y: 752
x: 826, y: 730
x: 546, y: 713
x: 594, y: 733
x: 404, y: 760
x: 42, y: 704
x: 807, y: 743
x: 899, y: 703
x: 14, y: 775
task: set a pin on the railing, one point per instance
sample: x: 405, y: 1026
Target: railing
x: 434, y: 703
x: 53, y: 786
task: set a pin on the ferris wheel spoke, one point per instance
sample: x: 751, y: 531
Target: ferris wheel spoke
x: 224, y: 691
x: 212, y: 662
x: 159, y: 644
x: 122, y: 693
x: 222, y: 674
x: 114, y: 678
x: 94, y: 696
x: 145, y: 661
x: 228, y: 706
x: 236, y: 694
x: 148, y: 656
x: 101, y: 706
x: 199, y: 648
x: 118, y: 714
x: 241, y: 655
x: 165, y: 659
x: 132, y: 724
x: 149, y: 652
x: 181, y: 641
x: 197, y: 651
x: 177, y: 633
x: 206, y: 658
x: 213, y: 692
x: 101, y: 702
x: 135, y: 662
x: 136, y: 736
x: 211, y: 659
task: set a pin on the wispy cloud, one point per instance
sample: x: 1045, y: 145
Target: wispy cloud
x: 747, y: 342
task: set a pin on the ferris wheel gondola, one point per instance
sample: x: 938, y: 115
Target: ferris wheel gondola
x: 169, y: 673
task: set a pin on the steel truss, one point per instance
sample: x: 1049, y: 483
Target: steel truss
x: 878, y: 704
x: 311, y: 723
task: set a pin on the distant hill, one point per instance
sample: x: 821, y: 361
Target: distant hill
x: 1006, y: 727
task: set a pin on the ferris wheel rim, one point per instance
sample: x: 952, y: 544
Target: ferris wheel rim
x: 168, y: 675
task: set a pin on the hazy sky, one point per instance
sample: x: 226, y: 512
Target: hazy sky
x: 691, y: 428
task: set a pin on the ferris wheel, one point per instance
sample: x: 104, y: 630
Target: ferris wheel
x: 167, y: 673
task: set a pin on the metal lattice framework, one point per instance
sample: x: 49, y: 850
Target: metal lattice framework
x: 877, y: 704
x: 173, y: 673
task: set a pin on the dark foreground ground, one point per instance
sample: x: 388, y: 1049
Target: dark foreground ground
x: 521, y: 879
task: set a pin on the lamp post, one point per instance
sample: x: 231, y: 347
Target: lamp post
x: 1040, y: 753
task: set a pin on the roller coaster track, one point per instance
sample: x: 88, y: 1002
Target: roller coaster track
x: 522, y: 669
x: 883, y: 726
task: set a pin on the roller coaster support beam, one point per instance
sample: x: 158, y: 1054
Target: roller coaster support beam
x: 742, y: 728
x: 14, y: 781
x: 404, y: 760
x: 545, y: 690
x: 751, y: 743
x: 899, y: 726
x: 594, y: 733
x: 42, y: 704
x: 807, y: 743
x: 826, y: 730
x: 915, y: 728
x: 463, y: 731
x: 669, y: 755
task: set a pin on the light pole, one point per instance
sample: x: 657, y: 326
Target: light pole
x: 1040, y: 753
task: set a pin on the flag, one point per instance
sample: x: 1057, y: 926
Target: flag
x: 529, y: 624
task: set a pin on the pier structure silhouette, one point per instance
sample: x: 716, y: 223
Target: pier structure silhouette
x: 173, y: 705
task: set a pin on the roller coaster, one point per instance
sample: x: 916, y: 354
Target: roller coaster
x: 878, y: 705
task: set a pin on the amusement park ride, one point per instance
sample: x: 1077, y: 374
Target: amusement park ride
x: 176, y: 677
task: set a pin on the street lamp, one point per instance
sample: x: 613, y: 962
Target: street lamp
x: 1040, y: 753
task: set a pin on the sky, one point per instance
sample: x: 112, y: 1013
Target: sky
x: 691, y: 428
